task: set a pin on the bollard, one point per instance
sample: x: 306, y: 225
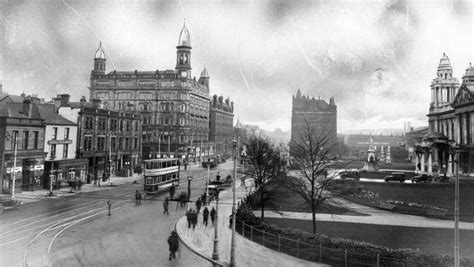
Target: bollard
x: 110, y: 204
x: 320, y: 253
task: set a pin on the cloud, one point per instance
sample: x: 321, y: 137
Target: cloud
x: 377, y: 62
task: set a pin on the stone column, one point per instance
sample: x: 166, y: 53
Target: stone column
x: 449, y: 172
x: 422, y: 162
x: 416, y: 163
x: 430, y: 164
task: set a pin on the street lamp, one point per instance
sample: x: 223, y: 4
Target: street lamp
x: 208, y: 181
x: 190, y: 177
x: 454, y: 149
x: 232, y: 244
x: 215, y: 253
x: 13, y: 172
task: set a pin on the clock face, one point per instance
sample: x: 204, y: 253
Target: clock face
x: 184, y: 74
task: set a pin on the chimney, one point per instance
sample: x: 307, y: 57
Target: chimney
x: 27, y: 107
x: 83, y: 101
x: 64, y: 99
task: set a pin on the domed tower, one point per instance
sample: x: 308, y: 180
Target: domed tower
x: 468, y: 78
x: 183, y: 54
x: 204, y: 79
x: 444, y: 87
x: 99, y: 60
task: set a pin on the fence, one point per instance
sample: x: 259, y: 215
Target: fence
x: 318, y: 253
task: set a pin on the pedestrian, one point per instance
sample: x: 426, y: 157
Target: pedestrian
x: 137, y: 198
x: 165, y: 206
x: 204, y: 199
x: 198, y: 204
x: 194, y: 216
x: 188, y: 217
x: 213, y: 215
x: 173, y: 243
x: 205, y: 216
x: 172, y: 191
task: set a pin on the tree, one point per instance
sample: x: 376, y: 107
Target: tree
x: 311, y: 152
x: 264, y: 164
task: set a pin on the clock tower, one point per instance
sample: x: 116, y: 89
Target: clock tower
x: 183, y: 54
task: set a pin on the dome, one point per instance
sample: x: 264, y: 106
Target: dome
x: 204, y: 73
x: 469, y: 71
x: 444, y: 62
x: 184, y: 37
x: 100, y: 53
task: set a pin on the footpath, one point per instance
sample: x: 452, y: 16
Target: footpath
x: 64, y: 191
x: 201, y: 239
x: 375, y: 216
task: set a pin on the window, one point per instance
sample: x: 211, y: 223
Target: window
x: 120, y: 143
x: 66, y: 133
x: 136, y: 143
x: 53, y: 151
x: 65, y: 150
x: 89, y: 123
x: 25, y: 140
x: 101, y: 143
x: 55, y: 133
x: 113, y: 143
x: 35, y: 140
x: 88, y: 143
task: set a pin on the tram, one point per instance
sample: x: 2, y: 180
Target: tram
x: 160, y: 174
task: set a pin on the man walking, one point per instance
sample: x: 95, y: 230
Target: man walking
x: 173, y: 243
x: 137, y: 198
x: 205, y: 216
x: 213, y: 215
x: 172, y: 191
x: 165, y: 206
x: 198, y: 204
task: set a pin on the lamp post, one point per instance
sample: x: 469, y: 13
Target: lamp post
x: 15, y: 138
x: 190, y: 177
x: 208, y: 181
x: 232, y: 244
x: 454, y: 150
x: 215, y: 253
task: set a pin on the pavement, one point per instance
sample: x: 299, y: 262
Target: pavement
x: 248, y: 253
x: 65, y: 191
x: 371, y: 216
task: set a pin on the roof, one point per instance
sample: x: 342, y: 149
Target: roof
x: 15, y: 110
x: 444, y: 62
x: 184, y: 37
x: 204, y: 73
x: 99, y: 54
x: 46, y: 111
x: 14, y: 98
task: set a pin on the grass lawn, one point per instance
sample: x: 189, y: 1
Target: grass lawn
x: 439, y: 241
x: 434, y: 194
x: 290, y: 201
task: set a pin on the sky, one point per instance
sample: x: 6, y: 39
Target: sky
x: 377, y: 58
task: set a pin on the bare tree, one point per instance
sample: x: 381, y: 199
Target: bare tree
x: 263, y: 164
x: 311, y: 152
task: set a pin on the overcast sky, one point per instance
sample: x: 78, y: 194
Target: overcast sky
x: 377, y: 58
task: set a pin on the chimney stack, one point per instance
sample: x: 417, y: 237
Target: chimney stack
x: 27, y: 107
x: 96, y: 103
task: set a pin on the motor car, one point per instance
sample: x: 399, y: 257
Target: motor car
x: 422, y: 178
x: 396, y: 176
x: 346, y: 175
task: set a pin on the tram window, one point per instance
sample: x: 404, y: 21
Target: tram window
x: 148, y: 165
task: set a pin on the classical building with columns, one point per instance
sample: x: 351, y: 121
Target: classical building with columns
x: 451, y: 122
x: 174, y: 105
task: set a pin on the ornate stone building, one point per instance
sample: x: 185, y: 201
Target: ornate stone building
x: 451, y: 123
x: 317, y: 112
x: 173, y: 104
x: 221, y: 124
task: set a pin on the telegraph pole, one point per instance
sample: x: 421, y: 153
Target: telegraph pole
x: 232, y: 244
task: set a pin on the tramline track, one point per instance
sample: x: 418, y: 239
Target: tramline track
x: 53, y: 231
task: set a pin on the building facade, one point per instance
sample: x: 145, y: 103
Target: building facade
x: 174, y: 105
x: 319, y: 114
x: 356, y: 145
x: 221, y: 124
x: 110, y: 140
x: 61, y: 164
x: 451, y: 122
x: 22, y: 139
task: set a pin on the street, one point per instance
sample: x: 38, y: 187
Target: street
x: 77, y: 231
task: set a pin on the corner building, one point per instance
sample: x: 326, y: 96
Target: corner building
x: 173, y: 105
x: 221, y: 125
x: 317, y: 112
